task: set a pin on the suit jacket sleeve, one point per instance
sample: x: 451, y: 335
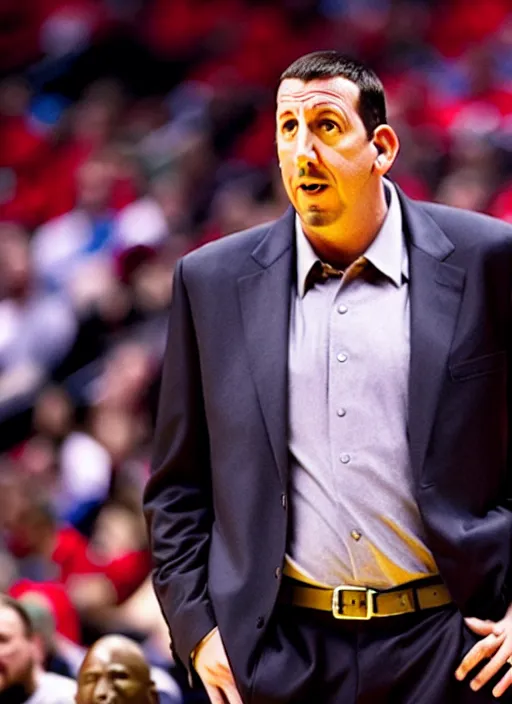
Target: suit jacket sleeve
x: 177, y: 501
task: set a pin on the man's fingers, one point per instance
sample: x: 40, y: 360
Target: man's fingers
x: 214, y: 695
x: 503, y: 684
x: 491, y: 668
x: 231, y: 694
x: 217, y: 668
x: 485, y: 648
x: 212, y: 666
x: 228, y: 693
x: 482, y: 628
x: 217, y: 673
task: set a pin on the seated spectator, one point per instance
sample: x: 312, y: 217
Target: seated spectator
x: 37, y: 330
x: 64, y: 613
x: 97, y: 574
x: 46, y: 549
x: 114, y: 669
x: 63, y: 245
x: 50, y: 660
x: 22, y: 680
x: 118, y: 544
x: 53, y: 671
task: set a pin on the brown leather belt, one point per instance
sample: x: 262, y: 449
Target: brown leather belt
x: 362, y: 604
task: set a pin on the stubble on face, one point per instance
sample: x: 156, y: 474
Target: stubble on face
x: 317, y: 217
x: 16, y: 653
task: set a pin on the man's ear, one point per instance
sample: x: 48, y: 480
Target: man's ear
x: 153, y: 693
x: 386, y: 143
x: 39, y: 649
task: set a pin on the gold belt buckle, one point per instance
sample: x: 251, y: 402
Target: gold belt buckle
x: 358, y: 600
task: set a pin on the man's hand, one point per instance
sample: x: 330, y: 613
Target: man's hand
x: 496, y: 645
x: 212, y: 666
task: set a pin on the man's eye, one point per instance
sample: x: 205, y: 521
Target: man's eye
x: 120, y: 675
x: 288, y: 126
x: 328, y: 125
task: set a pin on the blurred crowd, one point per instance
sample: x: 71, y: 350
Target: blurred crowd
x: 132, y: 131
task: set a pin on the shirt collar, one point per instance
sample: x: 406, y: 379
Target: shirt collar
x: 387, y: 252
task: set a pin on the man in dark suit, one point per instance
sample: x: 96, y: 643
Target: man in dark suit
x: 329, y: 508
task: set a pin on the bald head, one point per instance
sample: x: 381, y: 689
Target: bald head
x: 115, y: 672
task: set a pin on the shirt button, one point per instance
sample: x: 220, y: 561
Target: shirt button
x: 342, y: 309
x: 277, y: 572
x: 345, y: 458
x: 341, y: 412
x: 341, y: 357
x: 355, y: 534
x: 283, y: 501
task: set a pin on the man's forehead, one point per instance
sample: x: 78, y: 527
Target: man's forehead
x: 10, y: 621
x: 97, y: 656
x: 104, y: 655
x: 336, y: 91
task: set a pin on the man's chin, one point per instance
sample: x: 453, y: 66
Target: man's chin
x: 316, y: 217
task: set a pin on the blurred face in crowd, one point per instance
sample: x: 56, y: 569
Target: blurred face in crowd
x: 53, y: 413
x: 115, y: 672
x: 17, y: 652
x: 329, y: 166
x: 15, y: 265
x: 117, y: 531
x: 35, y: 529
x: 95, y: 182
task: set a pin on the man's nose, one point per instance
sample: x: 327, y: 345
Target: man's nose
x: 102, y: 693
x: 305, y: 147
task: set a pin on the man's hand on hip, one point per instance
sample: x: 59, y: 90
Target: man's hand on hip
x: 496, y: 646
x: 212, y: 665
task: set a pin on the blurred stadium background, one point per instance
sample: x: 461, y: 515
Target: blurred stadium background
x: 132, y: 131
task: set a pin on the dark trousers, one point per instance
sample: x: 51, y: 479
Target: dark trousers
x: 310, y: 658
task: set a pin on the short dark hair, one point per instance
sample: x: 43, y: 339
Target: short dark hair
x: 7, y: 602
x: 330, y: 64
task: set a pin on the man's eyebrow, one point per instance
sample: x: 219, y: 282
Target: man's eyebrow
x: 327, y: 107
x: 90, y: 671
x: 116, y: 667
x: 323, y: 107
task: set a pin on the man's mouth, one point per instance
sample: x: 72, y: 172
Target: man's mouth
x: 313, y: 187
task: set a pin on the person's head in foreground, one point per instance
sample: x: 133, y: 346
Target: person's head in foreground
x: 334, y: 146
x: 18, y: 670
x: 115, y: 671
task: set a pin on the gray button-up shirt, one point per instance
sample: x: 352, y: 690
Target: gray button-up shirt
x: 353, y: 516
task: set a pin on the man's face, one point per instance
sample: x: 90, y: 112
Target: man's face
x: 324, y: 153
x: 17, y: 652
x: 113, y: 677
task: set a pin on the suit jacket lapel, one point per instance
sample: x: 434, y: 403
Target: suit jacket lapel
x: 435, y: 295
x: 265, y: 302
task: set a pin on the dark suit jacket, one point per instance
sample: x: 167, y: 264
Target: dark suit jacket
x: 216, y: 502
